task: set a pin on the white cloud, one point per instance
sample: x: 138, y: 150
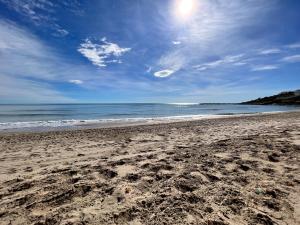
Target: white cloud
x: 174, y: 60
x: 33, y: 10
x: 60, y: 32
x: 149, y: 69
x: 213, y: 20
x: 43, y: 12
x: 264, y: 67
x: 164, y: 73
x: 102, y: 54
x: 176, y: 42
x: 20, y: 90
x: 28, y: 66
x: 23, y: 54
x: 269, y: 51
x: 215, y: 29
x: 239, y: 64
x: 201, y: 67
x: 291, y: 59
x: 76, y: 81
x: 295, y: 45
x: 227, y: 60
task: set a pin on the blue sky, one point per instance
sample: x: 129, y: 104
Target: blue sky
x: 147, y: 51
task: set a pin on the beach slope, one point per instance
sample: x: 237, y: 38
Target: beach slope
x: 234, y: 170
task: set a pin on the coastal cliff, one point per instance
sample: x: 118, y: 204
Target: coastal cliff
x: 283, y: 98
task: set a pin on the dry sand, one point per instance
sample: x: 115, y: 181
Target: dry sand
x: 242, y: 170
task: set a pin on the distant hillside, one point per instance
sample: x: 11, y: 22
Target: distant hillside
x: 283, y: 98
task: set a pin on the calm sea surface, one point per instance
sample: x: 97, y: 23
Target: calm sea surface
x: 56, y: 115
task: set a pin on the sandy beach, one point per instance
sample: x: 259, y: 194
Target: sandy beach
x: 233, y: 170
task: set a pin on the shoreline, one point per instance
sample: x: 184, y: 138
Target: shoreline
x: 125, y: 122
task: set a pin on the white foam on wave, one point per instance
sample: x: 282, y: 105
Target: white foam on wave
x: 184, y: 103
x: 74, y: 123
x: 108, y: 122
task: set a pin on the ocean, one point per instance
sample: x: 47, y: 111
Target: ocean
x: 40, y: 116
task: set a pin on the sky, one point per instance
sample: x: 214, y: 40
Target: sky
x: 100, y: 51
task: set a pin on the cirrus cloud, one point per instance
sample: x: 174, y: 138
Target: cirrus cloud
x: 264, y: 67
x: 294, y: 46
x: 291, y: 59
x: 270, y: 51
x: 230, y: 59
x: 43, y: 13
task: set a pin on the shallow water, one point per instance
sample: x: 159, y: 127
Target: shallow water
x: 57, y: 115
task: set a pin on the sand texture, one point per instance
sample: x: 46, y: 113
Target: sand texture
x: 242, y: 170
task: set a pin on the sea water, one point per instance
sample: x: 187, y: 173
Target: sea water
x: 70, y: 115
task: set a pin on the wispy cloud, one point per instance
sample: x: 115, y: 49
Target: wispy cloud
x: 264, y: 67
x: 214, y: 31
x: 223, y: 39
x: 33, y: 10
x: 103, y: 53
x: 17, y: 89
x: 174, y: 61
x: 60, y: 32
x: 164, y: 73
x: 43, y: 12
x: 269, y: 51
x: 30, y: 70
x: 19, y: 47
x: 149, y: 69
x: 239, y: 64
x: 293, y: 46
x: 227, y: 60
x: 28, y: 67
x: 176, y: 42
x: 76, y: 81
x: 291, y: 59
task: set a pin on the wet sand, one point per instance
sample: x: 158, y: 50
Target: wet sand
x: 239, y: 170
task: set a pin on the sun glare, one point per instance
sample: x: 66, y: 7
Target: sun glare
x: 184, y: 8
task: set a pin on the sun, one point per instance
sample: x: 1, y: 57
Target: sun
x: 185, y: 8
